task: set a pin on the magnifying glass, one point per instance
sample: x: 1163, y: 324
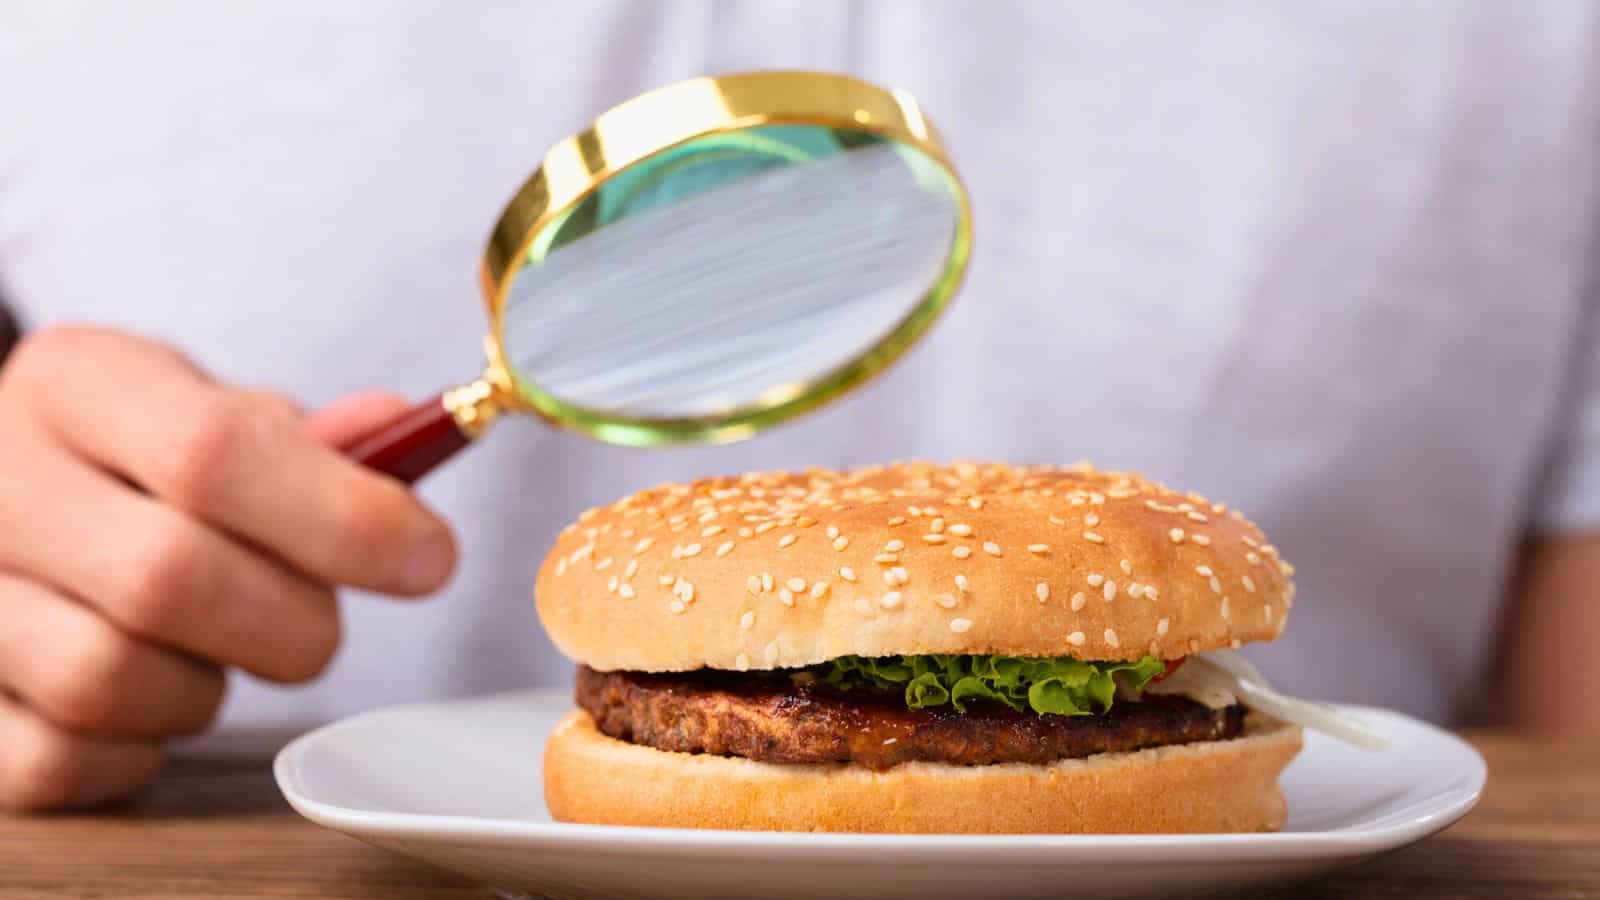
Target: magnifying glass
x: 706, y: 260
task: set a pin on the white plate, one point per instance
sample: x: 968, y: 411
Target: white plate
x: 457, y: 784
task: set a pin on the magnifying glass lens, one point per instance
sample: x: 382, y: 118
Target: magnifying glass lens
x: 734, y: 271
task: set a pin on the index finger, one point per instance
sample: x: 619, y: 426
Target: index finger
x: 145, y: 414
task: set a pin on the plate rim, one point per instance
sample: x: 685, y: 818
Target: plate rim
x: 964, y: 849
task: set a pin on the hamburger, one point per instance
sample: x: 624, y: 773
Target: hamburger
x: 919, y: 648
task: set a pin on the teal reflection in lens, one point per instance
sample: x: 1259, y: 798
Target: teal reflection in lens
x: 727, y: 273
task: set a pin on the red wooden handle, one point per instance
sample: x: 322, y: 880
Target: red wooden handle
x: 409, y: 445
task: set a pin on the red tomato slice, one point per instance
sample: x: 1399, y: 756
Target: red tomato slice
x: 1172, y: 666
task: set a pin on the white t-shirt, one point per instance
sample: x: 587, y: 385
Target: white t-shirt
x: 1330, y: 265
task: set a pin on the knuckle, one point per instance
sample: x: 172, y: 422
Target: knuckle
x: 165, y: 579
x: 41, y: 351
x: 43, y: 770
x: 204, y: 447
x: 86, y: 690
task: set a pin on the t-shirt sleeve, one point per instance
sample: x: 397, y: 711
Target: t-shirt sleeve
x: 1568, y: 496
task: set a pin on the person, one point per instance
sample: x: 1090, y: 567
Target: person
x: 1327, y: 263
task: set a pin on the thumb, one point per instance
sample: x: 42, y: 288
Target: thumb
x: 350, y: 418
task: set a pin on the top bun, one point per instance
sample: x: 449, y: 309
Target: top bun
x: 788, y: 569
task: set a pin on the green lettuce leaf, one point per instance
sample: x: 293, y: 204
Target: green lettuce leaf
x: 1060, y: 686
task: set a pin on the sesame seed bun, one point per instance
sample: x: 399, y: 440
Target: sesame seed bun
x: 784, y: 570
x: 1220, y: 786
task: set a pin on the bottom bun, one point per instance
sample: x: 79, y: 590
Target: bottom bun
x: 1215, y: 786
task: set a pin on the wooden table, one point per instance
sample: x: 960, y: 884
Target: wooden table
x: 220, y: 829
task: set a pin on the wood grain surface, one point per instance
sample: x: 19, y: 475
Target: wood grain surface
x: 211, y: 828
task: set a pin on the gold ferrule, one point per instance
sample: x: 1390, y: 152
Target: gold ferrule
x: 475, y: 406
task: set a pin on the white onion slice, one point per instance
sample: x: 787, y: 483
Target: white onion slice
x: 1226, y: 670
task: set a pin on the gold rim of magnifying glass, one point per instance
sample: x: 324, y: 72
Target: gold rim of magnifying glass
x: 655, y: 123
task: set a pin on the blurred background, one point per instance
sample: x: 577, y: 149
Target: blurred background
x: 1329, y: 263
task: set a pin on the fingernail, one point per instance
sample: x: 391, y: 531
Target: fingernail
x: 429, y: 565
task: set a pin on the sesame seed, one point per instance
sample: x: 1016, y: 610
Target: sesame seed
x: 914, y: 511
x: 741, y: 662
x: 1042, y: 591
x: 611, y: 585
x: 626, y: 591
x: 819, y: 589
x: 886, y: 559
x: 677, y: 606
x: 725, y: 548
x: 685, y: 590
x: 1096, y: 579
x: 1127, y: 567
x: 765, y: 527
x: 897, y: 520
x: 805, y: 522
x: 833, y: 531
x: 847, y: 573
x: 890, y: 600
x: 1076, y: 639
x: 894, y: 546
x: 1093, y: 537
x: 948, y: 601
x: 975, y: 502
x: 1216, y: 585
x: 692, y: 550
x: 933, y: 538
x: 1162, y: 625
x: 1248, y: 582
x: 1224, y: 607
x: 1176, y: 534
x: 1151, y: 592
x: 1111, y: 590
x: 960, y: 530
x: 561, y: 566
x: 961, y: 583
x: 1111, y: 638
x: 747, y: 532
x: 1203, y: 571
x: 1253, y: 558
x: 632, y: 569
x: 937, y: 525
x: 1136, y: 590
x: 1202, y: 540
x: 786, y: 540
x: 707, y: 516
x: 991, y: 548
x: 1091, y: 520
x: 1056, y: 520
x: 1250, y: 542
x: 796, y: 584
x: 960, y: 626
x: 785, y: 596
x: 747, y: 620
x: 753, y: 584
x: 603, y: 564
x: 1198, y: 517
x: 711, y: 531
x: 961, y: 552
x: 1039, y: 548
x: 1096, y: 499
x: 766, y: 581
x: 899, y: 574
x: 1078, y: 600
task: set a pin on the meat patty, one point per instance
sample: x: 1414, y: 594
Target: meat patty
x: 774, y: 720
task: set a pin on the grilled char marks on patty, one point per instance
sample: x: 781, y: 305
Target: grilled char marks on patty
x: 773, y: 720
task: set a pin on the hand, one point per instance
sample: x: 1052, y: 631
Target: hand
x: 156, y: 528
